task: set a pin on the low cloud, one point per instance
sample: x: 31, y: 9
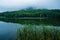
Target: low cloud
x: 8, y: 5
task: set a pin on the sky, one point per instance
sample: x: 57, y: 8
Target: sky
x: 10, y: 5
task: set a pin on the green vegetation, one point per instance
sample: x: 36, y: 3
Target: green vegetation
x: 32, y: 13
x: 34, y: 32
x: 52, y: 16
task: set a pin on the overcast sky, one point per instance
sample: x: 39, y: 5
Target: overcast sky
x: 8, y: 5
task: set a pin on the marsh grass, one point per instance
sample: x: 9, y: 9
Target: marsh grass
x: 29, y: 32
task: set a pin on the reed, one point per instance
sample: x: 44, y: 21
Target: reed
x: 29, y: 32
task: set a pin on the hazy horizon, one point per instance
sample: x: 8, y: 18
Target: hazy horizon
x: 10, y: 5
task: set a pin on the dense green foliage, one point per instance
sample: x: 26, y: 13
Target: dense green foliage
x: 52, y: 16
x: 33, y: 13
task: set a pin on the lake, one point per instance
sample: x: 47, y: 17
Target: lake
x: 8, y: 30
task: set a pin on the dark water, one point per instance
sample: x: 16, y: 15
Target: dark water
x: 8, y: 30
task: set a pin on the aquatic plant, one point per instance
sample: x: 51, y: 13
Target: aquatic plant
x: 29, y: 32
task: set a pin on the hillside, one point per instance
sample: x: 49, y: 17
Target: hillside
x: 52, y: 16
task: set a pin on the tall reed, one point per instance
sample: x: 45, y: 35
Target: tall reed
x: 29, y: 32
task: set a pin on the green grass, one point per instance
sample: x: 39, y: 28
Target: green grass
x: 29, y: 32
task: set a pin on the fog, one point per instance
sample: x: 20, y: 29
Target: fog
x: 9, y: 5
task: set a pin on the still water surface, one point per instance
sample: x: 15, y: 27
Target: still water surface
x: 8, y: 30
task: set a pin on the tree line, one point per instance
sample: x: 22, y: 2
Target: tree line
x: 54, y: 13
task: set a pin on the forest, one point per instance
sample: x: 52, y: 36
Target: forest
x: 52, y: 15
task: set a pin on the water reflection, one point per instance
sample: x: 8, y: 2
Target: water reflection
x: 8, y: 30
